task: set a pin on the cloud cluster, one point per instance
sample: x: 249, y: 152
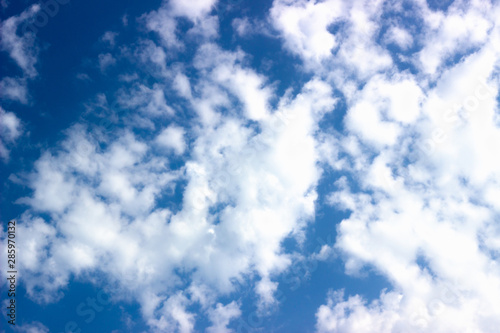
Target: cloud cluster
x: 21, y: 48
x: 248, y: 183
x: 416, y: 155
x: 419, y: 152
x: 164, y: 21
x: 105, y: 210
x: 10, y: 130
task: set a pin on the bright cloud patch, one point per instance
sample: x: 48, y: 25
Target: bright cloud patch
x: 185, y: 161
x: 21, y: 47
x: 10, y: 130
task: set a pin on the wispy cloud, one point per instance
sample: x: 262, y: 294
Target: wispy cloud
x: 21, y: 48
x: 10, y: 130
x: 413, y: 157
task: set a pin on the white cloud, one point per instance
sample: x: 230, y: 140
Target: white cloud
x: 422, y: 218
x: 14, y: 89
x: 152, y: 56
x: 365, y: 120
x: 79, y: 215
x: 10, y: 125
x: 251, y: 176
x: 399, y: 36
x: 242, y: 26
x: 194, y: 10
x: 221, y: 317
x: 182, y: 85
x: 172, y: 137
x: 245, y: 27
x: 101, y: 196
x: 164, y: 21
x: 205, y: 29
x: 106, y: 60
x: 10, y: 130
x: 383, y: 107
x: 422, y: 214
x: 22, y: 49
x: 109, y: 37
x: 461, y: 29
x: 148, y: 101
x: 83, y: 77
x: 304, y: 26
x: 375, y: 318
x: 335, y: 34
x: 53, y: 191
x: 248, y: 86
x: 165, y: 25
x: 33, y: 327
x: 173, y: 316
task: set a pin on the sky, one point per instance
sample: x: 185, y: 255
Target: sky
x: 250, y: 166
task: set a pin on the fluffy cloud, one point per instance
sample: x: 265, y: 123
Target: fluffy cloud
x: 109, y: 38
x: 304, y: 26
x: 226, y: 70
x: 14, y: 89
x: 415, y: 155
x: 375, y: 318
x: 106, y: 60
x: 22, y: 48
x: 149, y: 102
x: 174, y: 316
x: 165, y: 25
x: 246, y: 28
x: 164, y: 21
x: 463, y: 28
x: 221, y: 316
x: 34, y: 327
x: 10, y: 130
x: 101, y: 196
x: 337, y: 33
x: 124, y: 174
x: 381, y: 110
x: 172, y: 137
x: 195, y: 10
x: 421, y: 214
x: 399, y: 36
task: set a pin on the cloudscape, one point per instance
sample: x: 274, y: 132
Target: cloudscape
x: 284, y: 166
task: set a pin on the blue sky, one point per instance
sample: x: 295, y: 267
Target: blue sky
x: 251, y: 166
